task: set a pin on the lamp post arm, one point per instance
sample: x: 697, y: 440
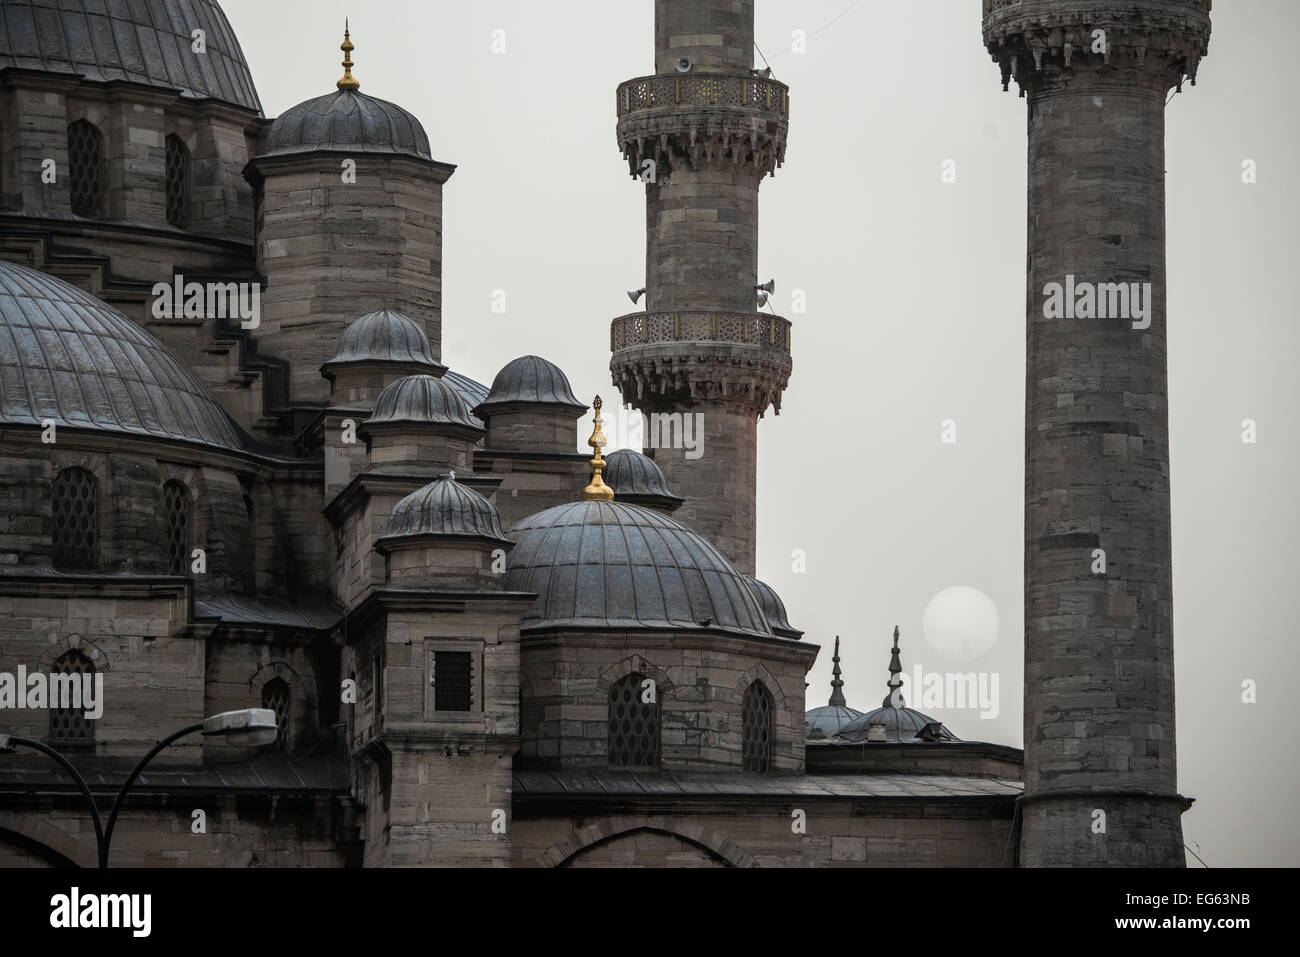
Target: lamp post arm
x: 81, y: 783
x: 130, y: 780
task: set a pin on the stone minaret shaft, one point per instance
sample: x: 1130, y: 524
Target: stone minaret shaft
x: 1099, y: 668
x: 701, y: 134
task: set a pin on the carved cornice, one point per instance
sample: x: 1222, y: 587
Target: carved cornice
x: 704, y: 119
x: 1035, y: 41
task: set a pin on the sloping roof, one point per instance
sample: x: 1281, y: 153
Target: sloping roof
x: 70, y: 358
x: 140, y: 41
x: 600, y: 782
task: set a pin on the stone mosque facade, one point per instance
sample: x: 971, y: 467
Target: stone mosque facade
x: 482, y: 646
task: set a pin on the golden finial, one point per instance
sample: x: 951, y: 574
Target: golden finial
x: 597, y: 491
x: 348, y: 82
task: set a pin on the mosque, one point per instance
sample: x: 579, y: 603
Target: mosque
x: 236, y: 473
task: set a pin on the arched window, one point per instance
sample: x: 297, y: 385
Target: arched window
x: 633, y: 724
x: 178, y: 182
x: 176, y: 507
x: 86, y: 169
x: 68, y: 725
x: 275, y: 695
x: 76, y: 520
x: 756, y: 729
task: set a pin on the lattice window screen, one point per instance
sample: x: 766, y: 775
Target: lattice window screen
x: 176, y: 504
x: 756, y: 729
x: 69, y: 725
x: 178, y: 182
x: 275, y: 695
x: 76, y: 520
x: 633, y: 725
x: 86, y: 169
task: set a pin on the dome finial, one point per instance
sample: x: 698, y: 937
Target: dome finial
x: 895, y: 697
x: 348, y: 82
x: 597, y: 491
x: 837, y: 695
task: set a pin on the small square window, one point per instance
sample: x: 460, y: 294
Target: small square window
x: 455, y: 679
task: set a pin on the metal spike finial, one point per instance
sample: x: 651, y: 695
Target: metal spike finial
x: 837, y: 695
x: 597, y: 491
x: 895, y: 697
x: 348, y: 82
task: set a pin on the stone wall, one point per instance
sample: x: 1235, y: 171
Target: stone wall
x: 700, y: 683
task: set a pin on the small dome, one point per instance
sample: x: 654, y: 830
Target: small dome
x: 385, y: 337
x: 347, y: 120
x: 902, y: 726
x: 530, y: 380
x: 773, y: 609
x: 471, y: 391
x: 421, y: 400
x: 67, y: 357
x: 443, y: 509
x: 637, y: 479
x: 827, y: 721
x: 146, y: 43
x: 610, y: 565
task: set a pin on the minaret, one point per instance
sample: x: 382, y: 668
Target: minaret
x: 701, y: 134
x: 1099, y: 667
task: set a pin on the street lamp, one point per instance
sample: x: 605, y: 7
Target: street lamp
x: 250, y: 727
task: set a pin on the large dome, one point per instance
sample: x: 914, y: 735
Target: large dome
x: 68, y: 357
x: 613, y: 565
x: 140, y: 42
x: 350, y: 121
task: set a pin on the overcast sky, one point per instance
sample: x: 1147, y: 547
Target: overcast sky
x: 915, y: 293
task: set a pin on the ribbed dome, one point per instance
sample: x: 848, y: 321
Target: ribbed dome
x: 149, y: 43
x: 385, y: 337
x: 828, y: 720
x: 421, y: 400
x: 347, y: 120
x: 614, y: 565
x: 446, y: 509
x: 637, y: 479
x: 901, y: 726
x: 66, y: 356
x: 773, y: 608
x: 530, y: 380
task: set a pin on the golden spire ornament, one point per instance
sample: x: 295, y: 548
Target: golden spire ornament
x: 597, y: 491
x: 348, y: 82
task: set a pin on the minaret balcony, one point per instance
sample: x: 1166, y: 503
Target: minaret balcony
x: 703, y: 118
x: 662, y: 358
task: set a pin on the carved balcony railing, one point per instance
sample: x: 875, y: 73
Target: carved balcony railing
x: 704, y: 89
x: 748, y: 328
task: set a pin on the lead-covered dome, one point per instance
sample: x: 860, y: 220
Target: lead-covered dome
x: 529, y: 380
x: 140, y: 42
x: 351, y: 121
x: 67, y: 357
x: 612, y: 565
x: 773, y: 608
x: 635, y: 478
x: 385, y: 336
x: 443, y: 509
x: 422, y: 400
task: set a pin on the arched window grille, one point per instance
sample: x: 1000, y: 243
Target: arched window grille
x: 275, y: 695
x: 69, y: 725
x: 757, y: 709
x: 76, y: 520
x: 176, y: 508
x: 633, y: 725
x: 86, y: 169
x: 178, y: 182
